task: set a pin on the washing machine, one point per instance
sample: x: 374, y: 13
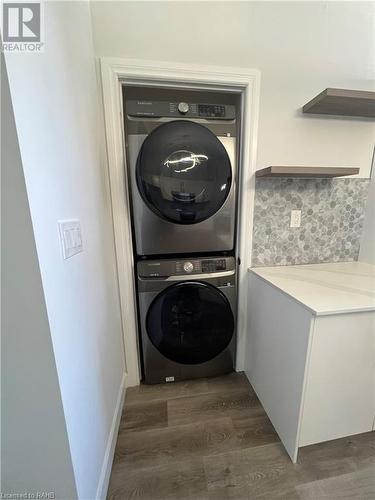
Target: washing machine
x: 181, y: 151
x: 187, y: 314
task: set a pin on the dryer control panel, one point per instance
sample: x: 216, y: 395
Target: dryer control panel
x: 184, y: 267
x: 158, y: 109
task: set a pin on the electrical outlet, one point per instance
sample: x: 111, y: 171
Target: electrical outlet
x: 71, y: 237
x: 295, y: 218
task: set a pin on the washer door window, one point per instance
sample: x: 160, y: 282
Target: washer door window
x: 183, y: 172
x: 190, y: 322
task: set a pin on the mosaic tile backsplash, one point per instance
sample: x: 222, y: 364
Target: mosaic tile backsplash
x: 332, y: 218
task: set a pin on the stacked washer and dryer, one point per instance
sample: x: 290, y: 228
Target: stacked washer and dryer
x: 182, y: 153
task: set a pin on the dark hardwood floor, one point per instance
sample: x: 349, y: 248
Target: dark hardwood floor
x: 211, y: 439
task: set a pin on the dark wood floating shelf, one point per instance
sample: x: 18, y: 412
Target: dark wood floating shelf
x: 306, y: 171
x: 342, y: 102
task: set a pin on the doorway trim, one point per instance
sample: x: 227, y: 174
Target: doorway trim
x: 245, y: 81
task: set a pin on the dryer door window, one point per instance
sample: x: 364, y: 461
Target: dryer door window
x: 183, y: 172
x: 190, y: 322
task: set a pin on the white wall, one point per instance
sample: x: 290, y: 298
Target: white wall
x: 367, y: 249
x: 61, y: 142
x: 300, y: 47
x: 35, y: 452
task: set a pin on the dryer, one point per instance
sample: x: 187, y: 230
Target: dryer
x: 182, y: 164
x: 187, y: 314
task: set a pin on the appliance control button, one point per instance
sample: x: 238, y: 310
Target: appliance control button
x: 188, y: 267
x: 183, y: 107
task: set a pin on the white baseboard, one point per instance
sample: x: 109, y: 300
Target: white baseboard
x: 101, y: 492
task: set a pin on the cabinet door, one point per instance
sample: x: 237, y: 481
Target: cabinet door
x: 339, y: 398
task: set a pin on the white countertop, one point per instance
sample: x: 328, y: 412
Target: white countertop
x: 325, y: 288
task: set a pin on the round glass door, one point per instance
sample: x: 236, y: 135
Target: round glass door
x: 190, y: 322
x: 183, y: 172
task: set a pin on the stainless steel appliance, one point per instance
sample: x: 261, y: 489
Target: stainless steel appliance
x: 187, y: 311
x: 181, y: 151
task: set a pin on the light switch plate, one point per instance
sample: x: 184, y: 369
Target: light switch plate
x: 295, y: 218
x: 70, y: 237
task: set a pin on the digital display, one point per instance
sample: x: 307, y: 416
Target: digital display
x: 210, y: 266
x: 211, y: 110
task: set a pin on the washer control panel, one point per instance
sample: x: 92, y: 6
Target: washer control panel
x: 201, y: 266
x: 184, y: 267
x: 158, y: 109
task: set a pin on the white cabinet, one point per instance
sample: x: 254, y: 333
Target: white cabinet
x: 314, y: 374
x: 339, y: 394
